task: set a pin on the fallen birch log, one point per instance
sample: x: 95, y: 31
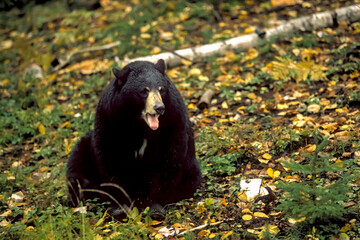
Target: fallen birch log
x: 205, y: 99
x: 313, y: 22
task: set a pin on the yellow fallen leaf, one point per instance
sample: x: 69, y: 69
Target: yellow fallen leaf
x: 6, y: 44
x: 263, y: 161
x: 272, y: 229
x: 224, y: 105
x: 251, y: 96
x: 339, y: 163
x: 249, y: 30
x: 246, y: 210
x: 267, y: 156
x: 113, y: 235
x: 209, y: 201
x: 226, y: 235
x: 246, y: 217
x: 173, y: 73
x: 282, y: 106
x: 260, y: 214
x: 331, y: 83
x: 270, y: 172
x: 242, y: 197
x: 191, y: 106
x: 176, y: 225
x: 6, y: 214
x: 167, y: 36
x: 324, y: 102
x: 296, y: 51
x: 5, y: 223
x: 186, y: 62
x: 294, y: 103
x: 155, y: 222
x: 155, y: 50
x: 98, y: 237
x: 311, y: 148
x: 223, y: 202
x: 30, y: 228
x: 342, y: 110
x: 89, y: 66
x: 194, y: 72
x: 250, y: 54
x: 203, y: 78
x: 292, y: 220
x: 48, y: 108
x: 4, y: 82
x: 330, y: 127
x: 145, y: 28
x: 354, y: 74
x: 212, y: 235
x: 10, y: 176
x: 345, y: 127
x: 145, y: 35
x: 277, y: 174
x: 41, y: 129
x: 159, y: 236
x: 66, y: 124
x: 331, y: 106
x: 344, y: 236
x: 313, y: 108
x: 68, y: 146
x: 346, y: 228
x: 240, y: 109
x: 204, y: 233
x: 276, y: 3
x: 200, y: 209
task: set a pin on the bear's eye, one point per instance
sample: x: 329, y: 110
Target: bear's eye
x: 161, y: 89
x: 145, y: 91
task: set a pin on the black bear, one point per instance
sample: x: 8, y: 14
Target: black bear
x: 141, y: 151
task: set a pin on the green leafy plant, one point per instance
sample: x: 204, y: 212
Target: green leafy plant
x: 221, y: 165
x: 314, y: 200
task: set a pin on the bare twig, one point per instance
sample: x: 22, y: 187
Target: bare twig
x: 200, y: 227
x: 175, y: 53
x: 64, y: 62
x: 78, y: 198
x: 109, y: 195
x: 121, y: 189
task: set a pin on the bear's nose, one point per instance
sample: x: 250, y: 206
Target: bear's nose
x: 159, y: 108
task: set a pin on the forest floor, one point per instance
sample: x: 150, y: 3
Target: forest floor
x: 285, y: 113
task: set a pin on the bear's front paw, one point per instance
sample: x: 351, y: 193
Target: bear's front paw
x: 119, y: 213
x: 157, y: 212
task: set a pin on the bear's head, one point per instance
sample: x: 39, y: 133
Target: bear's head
x: 142, y: 86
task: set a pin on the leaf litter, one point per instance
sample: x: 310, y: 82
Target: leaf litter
x: 266, y: 103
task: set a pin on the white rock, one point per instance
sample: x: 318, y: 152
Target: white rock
x: 17, y: 197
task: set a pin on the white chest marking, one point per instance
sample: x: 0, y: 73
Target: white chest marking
x: 140, y: 153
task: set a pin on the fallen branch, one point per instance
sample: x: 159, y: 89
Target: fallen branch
x: 313, y: 22
x: 173, y: 52
x: 64, y: 62
x: 200, y: 227
x: 205, y: 99
x: 125, y: 209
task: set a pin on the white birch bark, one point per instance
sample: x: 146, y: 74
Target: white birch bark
x: 313, y: 22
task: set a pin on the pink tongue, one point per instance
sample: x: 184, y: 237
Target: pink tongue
x: 153, y: 121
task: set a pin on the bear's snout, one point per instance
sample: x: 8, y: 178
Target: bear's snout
x: 159, y: 108
x: 154, y: 108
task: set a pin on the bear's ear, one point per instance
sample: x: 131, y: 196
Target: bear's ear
x: 160, y: 66
x: 121, y: 75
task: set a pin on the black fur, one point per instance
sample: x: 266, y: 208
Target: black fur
x: 166, y: 173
